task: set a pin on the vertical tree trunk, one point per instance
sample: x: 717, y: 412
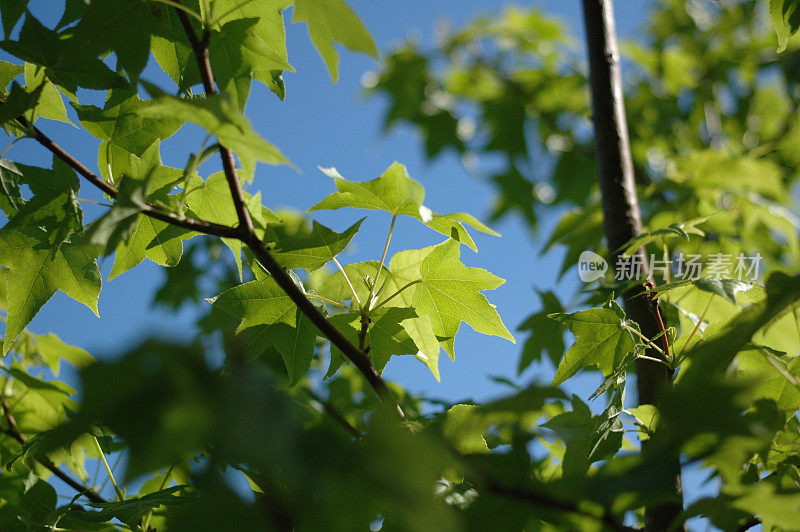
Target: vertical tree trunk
x: 622, y: 220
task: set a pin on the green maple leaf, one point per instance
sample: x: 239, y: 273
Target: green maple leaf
x: 396, y: 193
x: 50, y: 350
x: 73, y: 11
x: 220, y: 117
x: 171, y: 48
x: 682, y: 230
x: 601, y: 340
x: 329, y: 22
x: 786, y: 20
x: 771, y: 374
x: 120, y: 26
x: 37, y: 269
x: 148, y: 238
x: 11, y: 200
x: 404, y: 267
x: 20, y: 102
x: 8, y: 73
x: 119, y: 124
x: 211, y: 200
x: 50, y: 104
x: 544, y: 337
x: 239, y: 53
x: 53, y: 206
x: 62, y: 58
x: 10, y: 13
x: 273, y: 320
x: 116, y: 226
x: 314, y: 250
x: 385, y: 337
x: 393, y: 191
x: 131, y: 510
x: 255, y: 35
x: 449, y: 293
x: 588, y: 437
x: 727, y: 289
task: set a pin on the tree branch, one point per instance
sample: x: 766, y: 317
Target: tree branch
x: 335, y: 414
x: 14, y: 431
x: 200, y: 226
x: 244, y: 232
x: 356, y: 356
x: 259, y: 249
x: 248, y: 236
x: 201, y: 53
x: 543, y: 500
x: 621, y: 217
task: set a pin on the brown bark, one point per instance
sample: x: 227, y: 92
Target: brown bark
x: 622, y: 219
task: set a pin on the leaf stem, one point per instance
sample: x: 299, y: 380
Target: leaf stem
x: 108, y: 163
x: 652, y: 359
x: 697, y: 325
x: 646, y: 340
x: 178, y: 5
x: 347, y: 280
x: 11, y: 145
x: 146, y: 522
x: 397, y: 293
x: 120, y: 495
x: 383, y: 259
x: 785, y: 373
x: 325, y: 299
x: 93, y: 202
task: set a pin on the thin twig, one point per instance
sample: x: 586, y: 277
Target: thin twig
x: 362, y: 335
x: 200, y: 226
x: 543, y: 500
x: 259, y: 249
x: 11, y: 145
x: 335, y: 414
x: 93, y: 202
x: 203, y: 57
x: 14, y: 431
